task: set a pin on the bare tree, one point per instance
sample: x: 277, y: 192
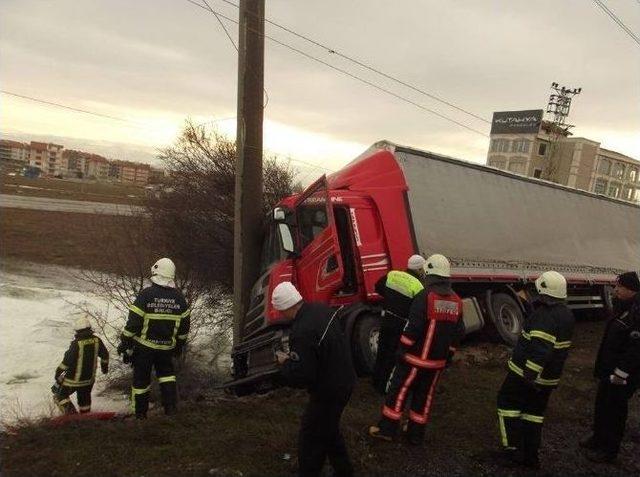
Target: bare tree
x: 191, y: 221
x: 196, y: 211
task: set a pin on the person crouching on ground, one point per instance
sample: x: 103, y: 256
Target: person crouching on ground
x: 77, y: 371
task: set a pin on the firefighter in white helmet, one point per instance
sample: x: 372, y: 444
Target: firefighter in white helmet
x: 77, y: 371
x: 397, y: 288
x: 156, y: 331
x: 427, y: 343
x: 535, y: 369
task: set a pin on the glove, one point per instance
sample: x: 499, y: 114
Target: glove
x: 122, y: 348
x: 104, y: 367
x: 55, y: 389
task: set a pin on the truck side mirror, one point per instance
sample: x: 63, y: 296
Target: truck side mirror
x: 278, y: 214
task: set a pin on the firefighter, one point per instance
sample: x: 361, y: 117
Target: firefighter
x: 397, y: 288
x: 319, y: 360
x: 534, y: 371
x: 618, y: 369
x: 426, y: 345
x: 77, y: 371
x: 155, y: 332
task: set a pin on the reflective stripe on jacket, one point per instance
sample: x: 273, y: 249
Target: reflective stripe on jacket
x: 544, y: 343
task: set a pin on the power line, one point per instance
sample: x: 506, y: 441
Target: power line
x: 351, y: 75
x: 333, y: 51
x: 71, y: 108
x: 617, y: 20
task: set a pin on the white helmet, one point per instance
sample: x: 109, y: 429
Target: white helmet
x: 552, y: 284
x: 415, y: 262
x: 163, y: 272
x: 81, y: 323
x: 438, y: 265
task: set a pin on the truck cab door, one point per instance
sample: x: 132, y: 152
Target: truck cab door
x: 319, y: 267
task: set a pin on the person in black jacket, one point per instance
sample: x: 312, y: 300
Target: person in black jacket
x: 426, y: 345
x: 319, y: 360
x: 77, y: 371
x: 535, y: 369
x: 156, y: 331
x: 397, y: 288
x: 617, y: 368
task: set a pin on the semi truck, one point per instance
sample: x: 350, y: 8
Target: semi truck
x: 500, y: 231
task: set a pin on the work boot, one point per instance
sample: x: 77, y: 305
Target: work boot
x: 376, y: 433
x: 141, y: 415
x: 600, y: 457
x: 589, y: 443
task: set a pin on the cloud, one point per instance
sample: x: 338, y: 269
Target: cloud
x: 159, y: 61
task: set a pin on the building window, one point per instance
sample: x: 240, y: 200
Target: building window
x: 633, y: 174
x: 500, y: 145
x: 600, y: 186
x: 604, y: 166
x: 627, y: 193
x: 537, y: 173
x: 618, y: 170
x: 542, y: 149
x: 517, y: 165
x: 614, y: 189
x: 498, y: 162
x: 520, y: 145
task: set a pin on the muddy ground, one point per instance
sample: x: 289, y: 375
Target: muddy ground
x: 215, y: 434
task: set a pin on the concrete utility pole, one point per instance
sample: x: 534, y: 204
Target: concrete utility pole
x: 248, y: 191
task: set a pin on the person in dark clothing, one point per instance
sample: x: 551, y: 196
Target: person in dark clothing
x: 77, y: 371
x: 426, y: 345
x: 617, y: 368
x: 319, y: 360
x: 156, y: 331
x: 535, y: 369
x: 397, y: 288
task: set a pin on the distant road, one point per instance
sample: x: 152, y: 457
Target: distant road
x: 66, y: 205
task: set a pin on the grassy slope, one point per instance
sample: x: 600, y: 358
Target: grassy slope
x: 251, y: 435
x: 73, y: 190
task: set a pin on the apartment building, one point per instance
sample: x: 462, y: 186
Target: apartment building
x: 13, y: 153
x: 129, y: 172
x: 96, y: 167
x: 523, y: 143
x: 47, y: 157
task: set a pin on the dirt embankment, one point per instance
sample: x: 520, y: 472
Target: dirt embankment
x: 256, y: 435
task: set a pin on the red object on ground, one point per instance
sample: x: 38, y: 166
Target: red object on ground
x: 89, y: 416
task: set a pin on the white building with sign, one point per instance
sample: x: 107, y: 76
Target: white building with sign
x: 523, y: 143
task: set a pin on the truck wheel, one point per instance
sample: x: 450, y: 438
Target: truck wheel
x: 364, y: 343
x: 507, y: 317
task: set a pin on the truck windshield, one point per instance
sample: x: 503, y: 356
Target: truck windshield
x: 272, y: 250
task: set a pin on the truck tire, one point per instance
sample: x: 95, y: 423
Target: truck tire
x: 364, y: 343
x: 507, y: 317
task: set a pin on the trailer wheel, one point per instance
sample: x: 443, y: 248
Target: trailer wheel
x: 364, y: 343
x: 507, y: 317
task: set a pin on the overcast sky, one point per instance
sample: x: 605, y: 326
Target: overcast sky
x: 155, y: 62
